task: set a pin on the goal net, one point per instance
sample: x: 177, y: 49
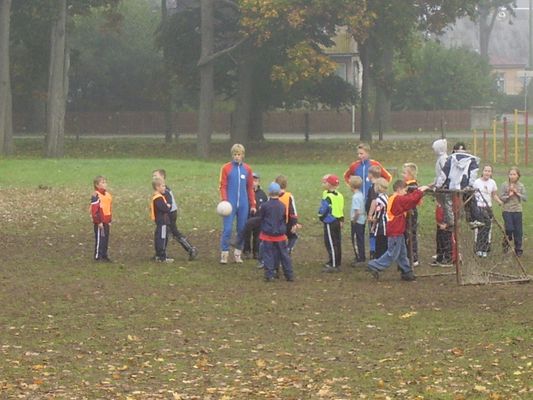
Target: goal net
x: 454, y: 236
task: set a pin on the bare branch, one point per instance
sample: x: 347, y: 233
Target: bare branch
x: 206, y: 60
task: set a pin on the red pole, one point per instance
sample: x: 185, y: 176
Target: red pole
x: 484, y: 145
x: 505, y: 141
x: 526, y: 140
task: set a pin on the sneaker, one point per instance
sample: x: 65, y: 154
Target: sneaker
x: 446, y: 264
x: 328, y: 269
x: 164, y: 260
x: 224, y: 257
x: 409, y: 277
x: 373, y: 272
x: 434, y: 256
x: 358, y: 263
x: 416, y: 264
x: 260, y: 265
x: 105, y: 260
x: 484, y: 254
x: 237, y: 255
x: 290, y: 279
x: 476, y: 224
x: 479, y: 253
x: 193, y: 253
x: 434, y: 263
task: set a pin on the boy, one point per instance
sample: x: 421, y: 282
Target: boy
x: 378, y: 216
x: 374, y: 172
x: 291, y: 216
x: 399, y: 203
x: 251, y: 236
x: 101, y: 202
x: 173, y: 216
x: 331, y: 213
x: 236, y: 186
x: 273, y: 235
x: 409, y: 174
x: 357, y: 220
x: 160, y: 214
x: 361, y: 167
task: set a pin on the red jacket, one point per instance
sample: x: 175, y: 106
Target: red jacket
x: 397, y: 207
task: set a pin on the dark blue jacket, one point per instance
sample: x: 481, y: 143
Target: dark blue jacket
x: 272, y: 214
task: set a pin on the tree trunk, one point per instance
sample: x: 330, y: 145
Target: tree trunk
x: 207, y: 85
x: 57, y: 85
x: 382, y: 117
x: 256, y: 121
x: 485, y: 28
x: 243, y: 107
x: 167, y: 95
x: 6, y: 123
x: 366, y: 134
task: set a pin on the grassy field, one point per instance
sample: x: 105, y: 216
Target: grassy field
x: 133, y: 329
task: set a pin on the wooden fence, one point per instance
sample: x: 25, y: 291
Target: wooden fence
x: 136, y: 123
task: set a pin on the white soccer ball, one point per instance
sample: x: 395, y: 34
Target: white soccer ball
x: 224, y: 208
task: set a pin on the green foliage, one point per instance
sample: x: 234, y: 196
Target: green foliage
x: 116, y: 67
x: 433, y: 77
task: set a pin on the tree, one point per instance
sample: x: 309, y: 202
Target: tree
x: 434, y: 78
x: 57, y: 84
x: 393, y: 24
x: 487, y: 11
x: 207, y: 83
x: 6, y: 125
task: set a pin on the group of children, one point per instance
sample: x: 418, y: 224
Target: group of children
x: 266, y: 226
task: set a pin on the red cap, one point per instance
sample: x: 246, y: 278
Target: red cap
x: 333, y: 180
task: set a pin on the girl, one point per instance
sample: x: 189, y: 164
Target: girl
x: 486, y: 191
x: 513, y: 193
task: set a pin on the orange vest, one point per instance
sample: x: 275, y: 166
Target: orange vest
x: 105, y: 202
x: 152, y: 209
x: 285, y: 200
x: 390, y: 215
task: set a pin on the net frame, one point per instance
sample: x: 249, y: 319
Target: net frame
x: 469, y: 269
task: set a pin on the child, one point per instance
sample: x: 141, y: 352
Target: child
x: 512, y: 194
x: 486, y: 191
x: 236, y: 186
x: 357, y: 220
x: 160, y: 214
x: 378, y: 217
x: 399, y: 203
x: 290, y: 212
x: 170, y: 199
x: 331, y: 213
x: 374, y: 172
x: 444, y: 239
x: 251, y: 236
x: 362, y: 166
x: 273, y: 235
x: 101, y: 202
x: 410, y: 173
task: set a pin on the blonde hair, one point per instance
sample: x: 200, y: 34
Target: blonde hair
x: 237, y: 148
x: 157, y: 182
x: 411, y: 168
x: 355, y: 182
x: 381, y: 185
x: 161, y: 172
x: 281, y: 180
x: 374, y: 171
x: 98, y: 179
x: 364, y: 146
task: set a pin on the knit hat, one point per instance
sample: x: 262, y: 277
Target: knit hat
x: 333, y: 180
x: 255, y: 175
x: 274, y: 188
